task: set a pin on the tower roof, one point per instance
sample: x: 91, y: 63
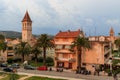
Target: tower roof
x: 111, y: 30
x: 68, y: 34
x: 26, y: 17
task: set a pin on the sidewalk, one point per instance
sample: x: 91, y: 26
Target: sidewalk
x: 30, y: 74
x: 65, y: 70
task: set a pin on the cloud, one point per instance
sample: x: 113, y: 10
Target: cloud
x: 113, y: 22
x: 59, y: 14
x: 89, y: 21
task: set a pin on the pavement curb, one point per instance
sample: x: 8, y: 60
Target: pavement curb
x: 21, y: 73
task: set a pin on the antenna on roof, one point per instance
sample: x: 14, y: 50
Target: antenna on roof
x: 89, y: 32
x: 81, y: 28
x: 95, y: 31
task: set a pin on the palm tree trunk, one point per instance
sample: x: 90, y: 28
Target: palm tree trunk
x: 79, y: 59
x: 44, y: 56
x: 35, y: 58
x: 23, y: 57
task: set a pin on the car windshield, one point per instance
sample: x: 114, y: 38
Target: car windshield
x: 29, y: 66
x: 15, y: 64
x: 4, y: 64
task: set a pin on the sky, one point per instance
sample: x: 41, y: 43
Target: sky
x: 94, y: 17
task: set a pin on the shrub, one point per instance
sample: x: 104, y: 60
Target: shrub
x: 33, y: 58
x: 49, y: 60
x: 40, y: 59
x: 50, y: 64
x: 17, y: 60
x: 10, y: 60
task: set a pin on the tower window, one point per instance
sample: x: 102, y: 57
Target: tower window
x: 25, y: 24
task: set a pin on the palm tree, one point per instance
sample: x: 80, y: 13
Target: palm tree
x: 3, y: 45
x: 79, y: 44
x: 44, y: 42
x: 23, y: 49
x: 36, y: 51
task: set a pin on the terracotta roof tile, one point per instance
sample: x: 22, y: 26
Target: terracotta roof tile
x: 68, y: 34
x: 27, y: 17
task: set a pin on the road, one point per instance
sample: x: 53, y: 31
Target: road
x: 64, y: 75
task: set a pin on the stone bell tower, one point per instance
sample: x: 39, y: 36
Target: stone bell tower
x: 26, y: 28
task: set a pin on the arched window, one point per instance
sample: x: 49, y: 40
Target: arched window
x: 27, y: 24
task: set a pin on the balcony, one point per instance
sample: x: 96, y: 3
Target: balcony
x: 108, y: 59
x: 10, y: 54
x: 10, y: 51
x: 66, y: 59
x: 107, y: 51
x: 72, y: 60
x: 63, y: 59
x: 63, y: 51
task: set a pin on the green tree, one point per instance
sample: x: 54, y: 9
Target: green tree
x: 2, y: 38
x: 36, y: 51
x: 3, y: 45
x: 113, y: 69
x: 44, y: 42
x: 117, y: 42
x: 79, y: 44
x: 22, y: 49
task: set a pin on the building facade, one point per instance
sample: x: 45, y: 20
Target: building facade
x: 63, y: 56
x: 10, y: 48
x: 99, y: 54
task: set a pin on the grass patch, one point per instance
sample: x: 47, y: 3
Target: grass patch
x: 41, y: 78
x: 11, y: 76
x: 2, y: 73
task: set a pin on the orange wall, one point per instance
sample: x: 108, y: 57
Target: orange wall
x: 64, y: 40
x: 95, y: 55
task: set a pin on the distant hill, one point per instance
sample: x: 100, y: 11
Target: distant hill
x: 11, y: 34
x: 15, y: 34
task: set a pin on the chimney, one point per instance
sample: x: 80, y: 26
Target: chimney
x: 68, y: 30
x: 60, y: 31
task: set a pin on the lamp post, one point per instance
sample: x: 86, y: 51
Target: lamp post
x: 111, y: 65
x: 111, y: 57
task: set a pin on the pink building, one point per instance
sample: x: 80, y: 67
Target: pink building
x: 100, y: 53
x: 63, y: 56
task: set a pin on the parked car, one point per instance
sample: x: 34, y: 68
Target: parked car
x: 83, y: 71
x: 29, y: 67
x: 8, y: 69
x: 15, y: 65
x: 3, y: 64
x: 59, y: 70
x: 42, y: 68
